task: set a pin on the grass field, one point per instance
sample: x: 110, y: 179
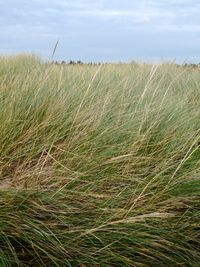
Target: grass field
x: 99, y: 165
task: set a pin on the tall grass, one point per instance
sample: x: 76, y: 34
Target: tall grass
x: 99, y: 165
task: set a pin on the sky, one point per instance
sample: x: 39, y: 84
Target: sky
x: 103, y: 30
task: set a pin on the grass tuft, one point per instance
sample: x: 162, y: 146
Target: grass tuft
x: 99, y: 165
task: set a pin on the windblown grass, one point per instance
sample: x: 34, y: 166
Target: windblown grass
x: 99, y: 165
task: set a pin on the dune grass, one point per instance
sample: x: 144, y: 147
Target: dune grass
x: 99, y: 165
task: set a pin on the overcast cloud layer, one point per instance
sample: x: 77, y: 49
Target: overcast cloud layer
x: 103, y: 30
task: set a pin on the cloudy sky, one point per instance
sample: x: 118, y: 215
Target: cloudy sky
x: 103, y: 30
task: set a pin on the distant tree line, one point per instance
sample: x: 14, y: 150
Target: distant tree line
x: 79, y: 62
x: 191, y: 65
x: 72, y: 62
